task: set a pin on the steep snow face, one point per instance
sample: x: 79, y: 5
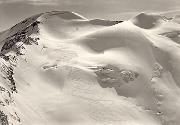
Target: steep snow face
x: 61, y: 68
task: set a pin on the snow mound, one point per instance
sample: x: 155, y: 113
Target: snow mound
x: 147, y: 21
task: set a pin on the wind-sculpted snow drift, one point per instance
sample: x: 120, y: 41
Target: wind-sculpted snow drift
x: 60, y: 68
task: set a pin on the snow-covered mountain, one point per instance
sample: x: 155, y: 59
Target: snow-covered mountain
x: 60, y: 68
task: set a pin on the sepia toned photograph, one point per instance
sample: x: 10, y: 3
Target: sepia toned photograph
x: 89, y: 62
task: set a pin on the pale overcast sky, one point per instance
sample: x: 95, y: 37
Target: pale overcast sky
x: 13, y: 11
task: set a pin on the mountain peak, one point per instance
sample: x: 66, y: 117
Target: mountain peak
x: 67, y: 15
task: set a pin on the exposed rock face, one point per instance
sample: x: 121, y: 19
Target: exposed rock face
x: 3, y: 118
x: 157, y: 70
x: 9, y: 114
x: 112, y: 76
x: 13, y: 47
x: 104, y: 22
x: 128, y: 75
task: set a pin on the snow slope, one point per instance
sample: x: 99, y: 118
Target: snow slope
x: 59, y: 68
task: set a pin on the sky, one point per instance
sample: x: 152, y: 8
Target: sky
x: 14, y: 11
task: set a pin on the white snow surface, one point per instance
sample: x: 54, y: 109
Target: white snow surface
x: 95, y: 72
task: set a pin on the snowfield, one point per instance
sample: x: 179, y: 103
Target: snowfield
x: 60, y: 68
